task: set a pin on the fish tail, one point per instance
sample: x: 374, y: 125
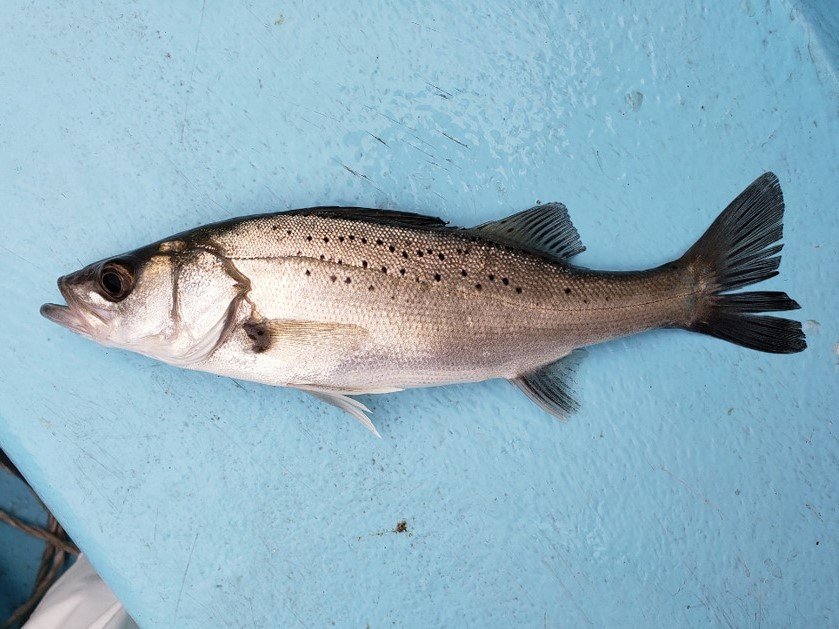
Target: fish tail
x: 741, y: 248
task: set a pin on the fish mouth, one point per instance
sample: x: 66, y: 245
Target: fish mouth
x: 74, y: 316
x: 65, y: 317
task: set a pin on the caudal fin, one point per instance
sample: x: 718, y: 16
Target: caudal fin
x: 741, y: 248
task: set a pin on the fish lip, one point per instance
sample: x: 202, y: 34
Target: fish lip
x: 72, y: 316
x: 64, y: 316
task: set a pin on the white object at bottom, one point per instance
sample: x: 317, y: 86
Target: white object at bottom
x: 80, y: 600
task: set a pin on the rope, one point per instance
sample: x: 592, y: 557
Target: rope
x: 41, y: 533
x: 56, y: 552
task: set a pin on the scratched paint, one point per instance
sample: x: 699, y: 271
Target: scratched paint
x: 697, y: 484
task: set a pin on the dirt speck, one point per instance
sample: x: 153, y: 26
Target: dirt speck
x: 280, y: 20
x: 635, y: 100
x: 401, y: 527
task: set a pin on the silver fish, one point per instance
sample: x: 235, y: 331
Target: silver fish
x: 347, y: 301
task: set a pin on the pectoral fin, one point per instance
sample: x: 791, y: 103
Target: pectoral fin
x: 345, y: 403
x: 266, y: 334
x: 551, y: 386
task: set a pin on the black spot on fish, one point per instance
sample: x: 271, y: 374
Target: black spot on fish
x: 363, y: 241
x: 288, y: 231
x: 518, y: 289
x: 419, y: 252
x: 437, y: 277
x: 607, y: 298
x: 299, y: 252
x: 384, y: 269
x: 567, y: 291
x: 340, y: 261
x: 308, y: 272
x: 364, y: 263
x: 429, y: 250
x: 463, y: 272
x: 401, y: 271
x: 478, y: 286
x: 351, y: 237
x: 371, y: 287
x: 259, y: 334
x: 505, y: 281
x: 326, y: 239
x: 391, y: 248
x: 405, y: 254
x: 491, y: 277
x: 309, y: 238
x: 322, y: 256
x: 459, y: 250
x: 378, y: 241
x: 585, y: 301
x: 333, y: 277
x: 441, y: 256
x: 347, y: 281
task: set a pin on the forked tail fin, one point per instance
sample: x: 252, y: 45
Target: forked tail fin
x: 741, y: 248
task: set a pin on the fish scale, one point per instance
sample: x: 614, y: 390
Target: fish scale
x: 426, y: 331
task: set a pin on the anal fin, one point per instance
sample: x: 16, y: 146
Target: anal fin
x: 551, y: 386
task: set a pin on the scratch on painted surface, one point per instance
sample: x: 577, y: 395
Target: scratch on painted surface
x: 455, y: 140
x: 186, y: 571
x: 693, y: 491
x: 813, y: 510
x: 440, y: 91
x: 710, y: 601
x: 377, y: 137
x: 192, y: 73
x: 362, y: 176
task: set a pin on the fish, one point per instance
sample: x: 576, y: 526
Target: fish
x: 344, y: 301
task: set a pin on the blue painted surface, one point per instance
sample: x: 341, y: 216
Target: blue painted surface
x: 698, y: 483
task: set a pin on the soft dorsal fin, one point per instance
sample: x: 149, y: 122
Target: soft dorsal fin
x: 544, y: 229
x: 383, y: 217
x: 550, y: 387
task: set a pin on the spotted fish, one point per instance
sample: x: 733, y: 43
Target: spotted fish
x: 346, y: 301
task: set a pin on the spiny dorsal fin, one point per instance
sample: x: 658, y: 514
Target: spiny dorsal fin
x: 544, y: 229
x: 382, y: 217
x: 550, y: 386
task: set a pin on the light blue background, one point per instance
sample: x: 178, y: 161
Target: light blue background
x: 696, y: 486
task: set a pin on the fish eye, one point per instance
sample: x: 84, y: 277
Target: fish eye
x: 116, y: 280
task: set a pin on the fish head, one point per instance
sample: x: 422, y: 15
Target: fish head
x: 168, y: 301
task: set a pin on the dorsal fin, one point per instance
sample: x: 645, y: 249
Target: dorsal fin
x: 384, y: 217
x: 544, y: 229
